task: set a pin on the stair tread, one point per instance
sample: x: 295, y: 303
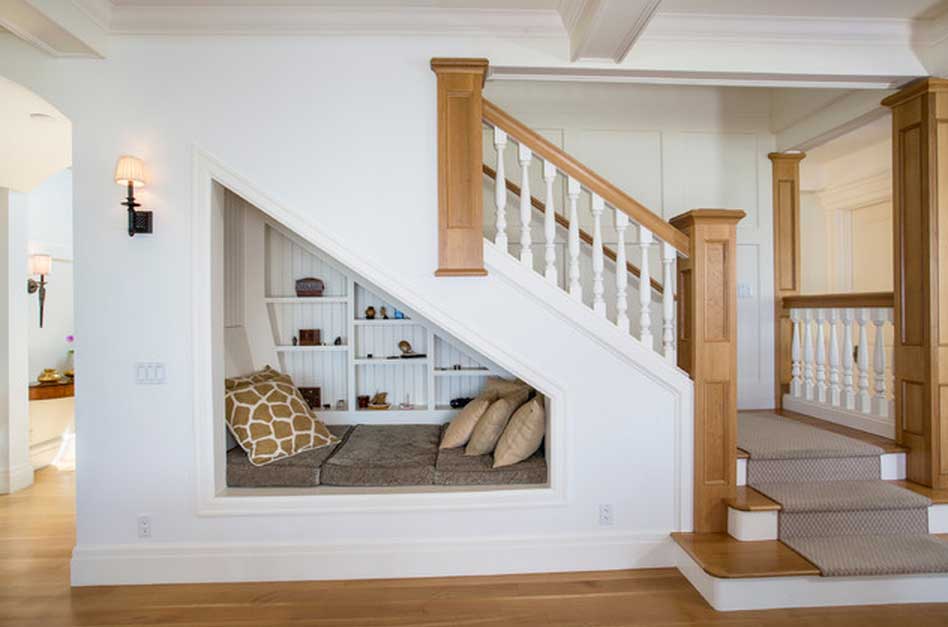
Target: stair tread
x: 720, y: 555
x: 935, y: 495
x: 874, y: 555
x: 886, y: 444
x: 840, y: 496
x: 747, y: 499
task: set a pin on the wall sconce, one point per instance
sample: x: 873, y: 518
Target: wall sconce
x: 40, y: 265
x: 130, y: 171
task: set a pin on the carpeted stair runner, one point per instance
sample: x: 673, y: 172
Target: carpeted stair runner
x: 835, y: 510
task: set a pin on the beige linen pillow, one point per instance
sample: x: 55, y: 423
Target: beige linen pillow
x: 459, y: 431
x: 267, y: 374
x: 492, y: 423
x: 523, y: 434
x: 503, y: 387
x: 271, y: 421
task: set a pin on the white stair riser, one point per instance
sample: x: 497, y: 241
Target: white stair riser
x: 751, y: 526
x: 892, y: 468
x: 776, y: 592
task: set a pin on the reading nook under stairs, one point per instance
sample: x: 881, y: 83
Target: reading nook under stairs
x: 332, y: 385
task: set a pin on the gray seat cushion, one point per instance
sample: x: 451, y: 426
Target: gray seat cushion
x: 385, y: 455
x: 456, y: 468
x: 299, y: 471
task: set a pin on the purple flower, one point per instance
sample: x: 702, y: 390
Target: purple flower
x: 70, y: 339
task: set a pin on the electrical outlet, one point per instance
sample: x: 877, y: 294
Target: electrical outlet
x: 606, y: 518
x: 144, y: 526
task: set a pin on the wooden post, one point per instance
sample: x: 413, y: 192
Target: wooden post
x: 920, y: 230
x: 707, y: 350
x: 460, y: 163
x: 786, y: 190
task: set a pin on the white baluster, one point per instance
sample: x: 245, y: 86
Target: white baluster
x: 549, y: 222
x: 572, y: 191
x: 599, y: 305
x: 836, y: 390
x: 820, y: 357
x: 849, y: 390
x: 809, y: 372
x: 796, y: 366
x: 864, y: 399
x: 526, y: 209
x: 500, y: 190
x: 668, y: 302
x: 645, y: 289
x: 622, y: 273
x: 880, y: 404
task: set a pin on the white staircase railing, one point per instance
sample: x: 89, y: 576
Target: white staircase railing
x: 650, y: 232
x: 835, y: 376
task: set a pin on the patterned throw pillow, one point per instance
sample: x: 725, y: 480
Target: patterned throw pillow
x: 271, y: 421
x: 267, y: 374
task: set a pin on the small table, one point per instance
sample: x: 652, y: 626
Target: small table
x: 48, y: 391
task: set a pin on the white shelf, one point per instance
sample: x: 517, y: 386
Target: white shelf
x: 306, y: 349
x: 363, y: 361
x: 466, y: 372
x: 362, y: 322
x: 314, y: 300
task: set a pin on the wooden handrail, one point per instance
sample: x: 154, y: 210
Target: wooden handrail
x: 563, y: 221
x: 496, y: 116
x: 831, y: 301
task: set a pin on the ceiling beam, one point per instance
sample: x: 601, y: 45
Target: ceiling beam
x: 605, y: 29
x: 58, y: 28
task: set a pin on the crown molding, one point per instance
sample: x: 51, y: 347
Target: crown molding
x: 857, y: 193
x: 296, y: 20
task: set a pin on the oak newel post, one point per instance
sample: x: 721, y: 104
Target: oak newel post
x: 707, y: 350
x: 460, y: 163
x: 920, y: 229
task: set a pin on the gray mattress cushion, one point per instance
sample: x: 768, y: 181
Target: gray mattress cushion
x: 385, y: 455
x: 299, y: 471
x: 456, y: 468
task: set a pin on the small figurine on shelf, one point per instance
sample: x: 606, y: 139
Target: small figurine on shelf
x: 363, y: 401
x: 384, y: 313
x: 399, y: 314
x: 370, y: 313
x: 407, y: 404
x: 340, y: 405
x: 337, y: 341
x: 458, y: 403
x: 379, y: 401
x: 310, y: 337
x: 295, y: 341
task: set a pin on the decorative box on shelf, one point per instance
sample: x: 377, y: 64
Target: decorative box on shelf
x: 310, y: 287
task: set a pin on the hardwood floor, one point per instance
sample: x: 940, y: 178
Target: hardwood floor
x: 36, y: 538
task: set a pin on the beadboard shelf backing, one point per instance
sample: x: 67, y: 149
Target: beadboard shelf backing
x: 264, y: 260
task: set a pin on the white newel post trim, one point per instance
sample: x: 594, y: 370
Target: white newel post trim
x: 549, y: 223
x: 622, y: 273
x: 599, y: 304
x: 525, y: 156
x: 572, y: 192
x: 500, y: 191
x: 668, y: 302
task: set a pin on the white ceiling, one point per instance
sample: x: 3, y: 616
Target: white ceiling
x: 31, y: 149
x: 906, y: 9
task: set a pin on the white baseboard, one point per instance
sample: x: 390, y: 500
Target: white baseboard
x: 764, y: 593
x: 751, y: 526
x: 153, y: 563
x: 884, y: 427
x: 14, y: 479
x: 42, y: 454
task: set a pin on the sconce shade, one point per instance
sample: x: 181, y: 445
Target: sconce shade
x: 40, y: 264
x: 130, y: 170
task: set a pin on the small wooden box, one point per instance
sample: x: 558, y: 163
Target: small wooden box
x: 310, y: 337
x: 309, y: 287
x: 312, y: 396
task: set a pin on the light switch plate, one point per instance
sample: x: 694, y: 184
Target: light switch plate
x: 150, y: 373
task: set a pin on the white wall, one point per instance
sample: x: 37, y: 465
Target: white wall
x: 50, y: 233
x: 673, y: 149
x: 301, y: 120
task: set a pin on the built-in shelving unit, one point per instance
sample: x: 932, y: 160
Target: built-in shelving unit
x: 345, y: 371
